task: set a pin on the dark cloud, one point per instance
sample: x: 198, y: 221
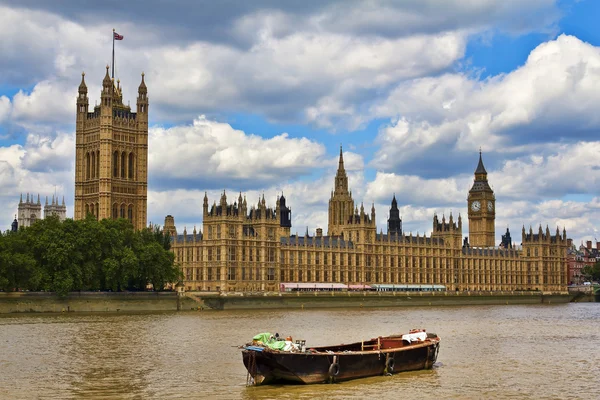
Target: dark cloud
x: 209, y: 20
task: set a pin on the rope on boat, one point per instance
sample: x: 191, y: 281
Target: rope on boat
x: 251, y: 368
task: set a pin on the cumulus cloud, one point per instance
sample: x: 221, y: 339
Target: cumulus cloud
x: 208, y: 153
x: 17, y: 179
x: 49, y: 154
x: 410, y: 189
x: 5, y: 108
x: 552, y: 97
x: 321, y: 63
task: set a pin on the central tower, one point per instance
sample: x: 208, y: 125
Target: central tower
x: 482, y: 210
x: 111, y: 157
x: 341, y: 205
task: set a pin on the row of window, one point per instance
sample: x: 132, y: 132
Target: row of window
x: 123, y: 165
x: 118, y: 211
x: 254, y: 273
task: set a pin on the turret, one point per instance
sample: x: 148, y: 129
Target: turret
x: 142, y: 101
x: 107, y: 91
x: 82, y: 100
x: 285, y: 213
x: 394, y: 220
x: 205, y: 206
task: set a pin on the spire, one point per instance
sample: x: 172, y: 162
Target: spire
x: 82, y: 85
x: 480, y: 168
x: 341, y: 179
x: 341, y: 162
x: 21, y: 200
x: 63, y: 200
x: 394, y: 202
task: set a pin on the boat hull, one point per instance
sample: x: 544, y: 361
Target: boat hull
x: 267, y: 366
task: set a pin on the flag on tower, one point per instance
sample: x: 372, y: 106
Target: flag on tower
x: 116, y: 36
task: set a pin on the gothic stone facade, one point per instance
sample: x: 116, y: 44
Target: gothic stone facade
x: 30, y: 210
x: 111, y: 160
x: 251, y: 249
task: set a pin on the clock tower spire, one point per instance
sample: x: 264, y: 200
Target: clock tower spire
x: 482, y: 209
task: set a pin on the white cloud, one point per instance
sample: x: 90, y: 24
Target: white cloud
x: 216, y: 152
x: 5, y: 108
x: 416, y: 190
x: 552, y: 97
x: 48, y: 102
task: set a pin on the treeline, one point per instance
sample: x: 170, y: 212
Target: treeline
x: 85, y: 255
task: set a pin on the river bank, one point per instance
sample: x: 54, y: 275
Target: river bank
x: 91, y: 302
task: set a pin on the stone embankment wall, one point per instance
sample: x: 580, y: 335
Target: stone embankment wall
x: 34, y: 302
x: 302, y: 300
x: 19, y: 302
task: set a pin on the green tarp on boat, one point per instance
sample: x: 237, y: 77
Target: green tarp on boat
x: 268, y: 340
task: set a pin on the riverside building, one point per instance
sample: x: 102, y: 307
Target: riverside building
x: 245, y: 247
x: 111, y: 155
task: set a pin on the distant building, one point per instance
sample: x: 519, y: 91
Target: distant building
x: 15, y: 225
x: 578, y: 259
x: 30, y: 210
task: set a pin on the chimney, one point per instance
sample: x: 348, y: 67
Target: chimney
x: 320, y: 232
x: 589, y: 244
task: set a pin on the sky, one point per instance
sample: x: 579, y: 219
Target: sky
x: 257, y: 97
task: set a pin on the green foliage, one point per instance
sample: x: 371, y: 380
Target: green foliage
x: 85, y: 255
x: 592, y: 272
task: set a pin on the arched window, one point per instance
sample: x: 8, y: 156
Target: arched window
x: 122, y: 213
x: 97, y: 210
x: 130, y: 213
x: 98, y: 164
x: 93, y: 175
x: 123, y: 165
x: 115, y: 211
x: 130, y: 165
x: 87, y: 165
x: 116, y: 164
x: 87, y: 209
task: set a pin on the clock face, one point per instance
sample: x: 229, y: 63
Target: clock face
x: 490, y: 206
x: 476, y: 206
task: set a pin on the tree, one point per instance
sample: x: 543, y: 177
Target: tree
x: 85, y: 255
x: 592, y: 272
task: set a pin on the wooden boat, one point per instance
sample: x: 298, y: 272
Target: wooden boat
x: 379, y: 356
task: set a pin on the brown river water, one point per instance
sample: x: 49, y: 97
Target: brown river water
x: 487, y: 352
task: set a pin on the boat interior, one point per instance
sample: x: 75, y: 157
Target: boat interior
x: 380, y: 343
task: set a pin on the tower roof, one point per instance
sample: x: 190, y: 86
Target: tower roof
x: 480, y: 168
x: 82, y: 85
x: 142, y: 86
x: 107, y: 79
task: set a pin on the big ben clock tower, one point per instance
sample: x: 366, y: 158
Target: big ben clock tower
x: 482, y: 210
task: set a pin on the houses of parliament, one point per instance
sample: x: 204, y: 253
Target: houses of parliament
x: 247, y: 247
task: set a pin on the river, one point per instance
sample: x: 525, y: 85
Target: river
x: 487, y: 352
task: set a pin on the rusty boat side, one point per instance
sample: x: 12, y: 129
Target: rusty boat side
x: 378, y: 356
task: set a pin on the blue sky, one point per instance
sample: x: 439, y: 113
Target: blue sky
x: 258, y: 96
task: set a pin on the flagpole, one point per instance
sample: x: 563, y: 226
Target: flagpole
x: 113, y: 55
